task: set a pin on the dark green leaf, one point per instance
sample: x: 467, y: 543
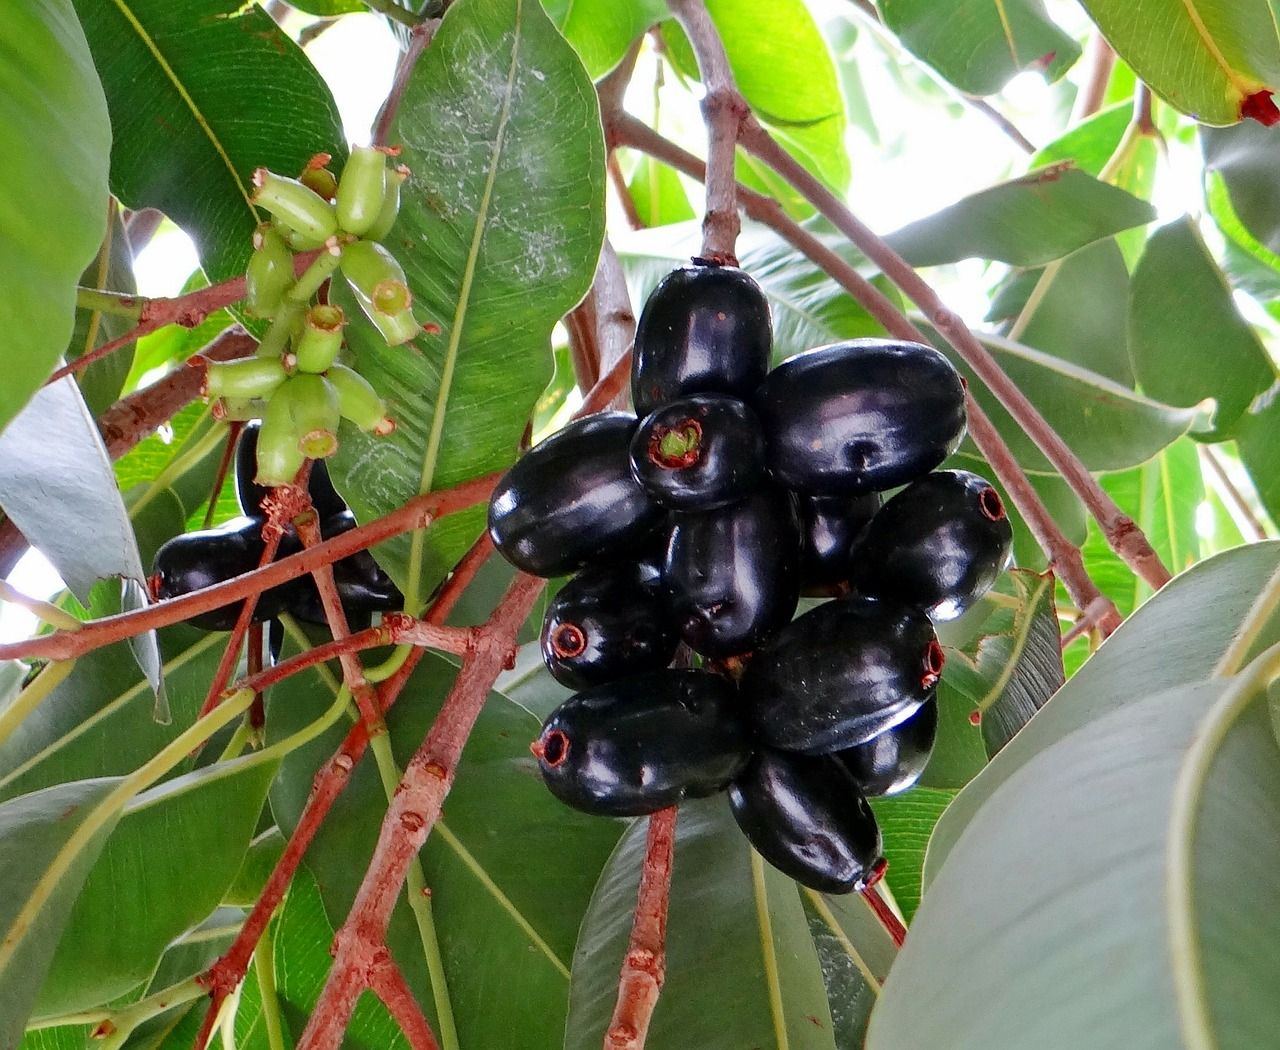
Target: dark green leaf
x: 55, y: 137
x: 1244, y: 158
x: 1028, y: 221
x: 1186, y: 337
x: 979, y: 45
x: 112, y: 270
x: 906, y: 822
x: 501, y: 130
x: 1260, y: 451
x: 201, y: 93
x: 742, y: 970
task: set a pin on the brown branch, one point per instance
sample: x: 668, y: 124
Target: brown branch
x: 620, y: 189
x: 1098, y: 62
x: 644, y: 966
x: 723, y: 110
x: 1097, y: 614
x: 140, y: 227
x: 420, y: 37
x: 413, y: 811
x: 388, y: 984
x: 580, y: 323
x: 1064, y: 557
x: 605, y: 328
x: 226, y: 974
x: 1010, y: 129
x: 186, y: 310
x: 418, y: 513
x: 1121, y: 531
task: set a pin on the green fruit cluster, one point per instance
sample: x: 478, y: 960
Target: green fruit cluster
x: 295, y: 383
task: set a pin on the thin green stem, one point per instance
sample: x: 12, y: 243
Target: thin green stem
x: 41, y: 610
x: 118, y: 304
x: 264, y: 967
x: 238, y: 742
x: 127, y: 1018
x: 395, y: 12
x: 390, y: 665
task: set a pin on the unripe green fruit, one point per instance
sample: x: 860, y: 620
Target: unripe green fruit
x: 362, y: 189
x: 379, y: 286
x: 317, y: 176
x: 294, y: 205
x: 269, y: 273
x: 248, y: 377
x: 299, y: 242
x: 359, y: 402
x: 396, y: 177
x: 321, y: 338
x: 279, y: 457
x: 312, y: 401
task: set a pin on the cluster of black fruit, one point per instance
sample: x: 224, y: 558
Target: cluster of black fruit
x: 703, y: 521
x: 195, y: 560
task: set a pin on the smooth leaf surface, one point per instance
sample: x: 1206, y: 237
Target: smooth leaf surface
x: 1260, y: 451
x: 1243, y: 157
x: 1089, y: 144
x: 510, y: 868
x: 1175, y: 638
x: 55, y: 137
x: 1028, y: 221
x: 1162, y: 936
x: 978, y: 45
x: 48, y: 842
x: 786, y: 74
x: 741, y: 966
x: 200, y: 94
x: 906, y: 822
x: 602, y: 30
x: 499, y: 238
x: 1186, y: 337
x: 1205, y: 57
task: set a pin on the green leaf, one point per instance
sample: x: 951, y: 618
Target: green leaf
x: 906, y: 822
x: 329, y: 8
x: 1187, y: 339
x: 102, y: 382
x: 509, y: 867
x: 659, y: 195
x: 1028, y: 221
x: 602, y: 30
x: 201, y: 93
x: 1116, y: 889
x: 501, y: 129
x: 1175, y: 638
x: 1203, y: 58
x: 786, y: 74
x: 1259, y: 450
x: 48, y: 842
x: 190, y: 832
x: 979, y: 45
x: 742, y: 970
x: 1089, y: 144
x: 55, y: 138
x: 1243, y: 157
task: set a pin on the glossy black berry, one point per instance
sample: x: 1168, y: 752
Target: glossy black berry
x: 939, y: 544
x: 699, y: 452
x: 893, y: 761
x: 196, y: 560
x: 732, y: 574
x: 704, y: 330
x: 828, y: 527
x: 324, y: 497
x: 861, y: 416
x: 608, y: 623
x: 805, y: 815
x: 644, y: 743
x: 840, y: 674
x: 572, y: 500
x: 361, y: 583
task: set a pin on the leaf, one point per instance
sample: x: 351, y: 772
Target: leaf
x: 1028, y: 221
x: 659, y: 195
x: 979, y: 45
x: 1089, y: 144
x: 1242, y: 157
x: 906, y: 822
x: 1186, y: 337
x: 1175, y: 638
x: 1259, y: 450
x: 201, y: 93
x: 602, y: 30
x: 509, y: 867
x: 55, y: 138
x: 741, y: 967
x: 190, y: 832
x: 1116, y: 890
x: 48, y: 842
x: 501, y: 129
x: 102, y: 382
x: 1205, y: 59
x: 787, y: 76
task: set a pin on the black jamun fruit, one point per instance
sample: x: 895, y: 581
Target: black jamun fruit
x: 890, y: 763
x: 829, y: 525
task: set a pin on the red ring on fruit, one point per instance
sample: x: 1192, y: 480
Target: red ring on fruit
x: 934, y: 659
x: 551, y: 749
x: 690, y: 431
x: 991, y: 505
x: 568, y: 640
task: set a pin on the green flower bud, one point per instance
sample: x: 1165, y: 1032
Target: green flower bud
x: 269, y: 273
x: 362, y: 189
x: 294, y: 205
x: 317, y: 176
x: 313, y: 404
x: 279, y: 457
x: 317, y: 347
x: 396, y: 177
x: 247, y: 377
x: 359, y: 402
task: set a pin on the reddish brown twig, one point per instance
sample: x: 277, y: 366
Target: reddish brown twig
x: 644, y: 966
x: 890, y: 921
x: 623, y: 193
x: 1098, y: 62
x: 416, y: 514
x: 419, y: 39
x: 1101, y: 613
x: 584, y: 351
x: 388, y: 984
x: 185, y: 310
